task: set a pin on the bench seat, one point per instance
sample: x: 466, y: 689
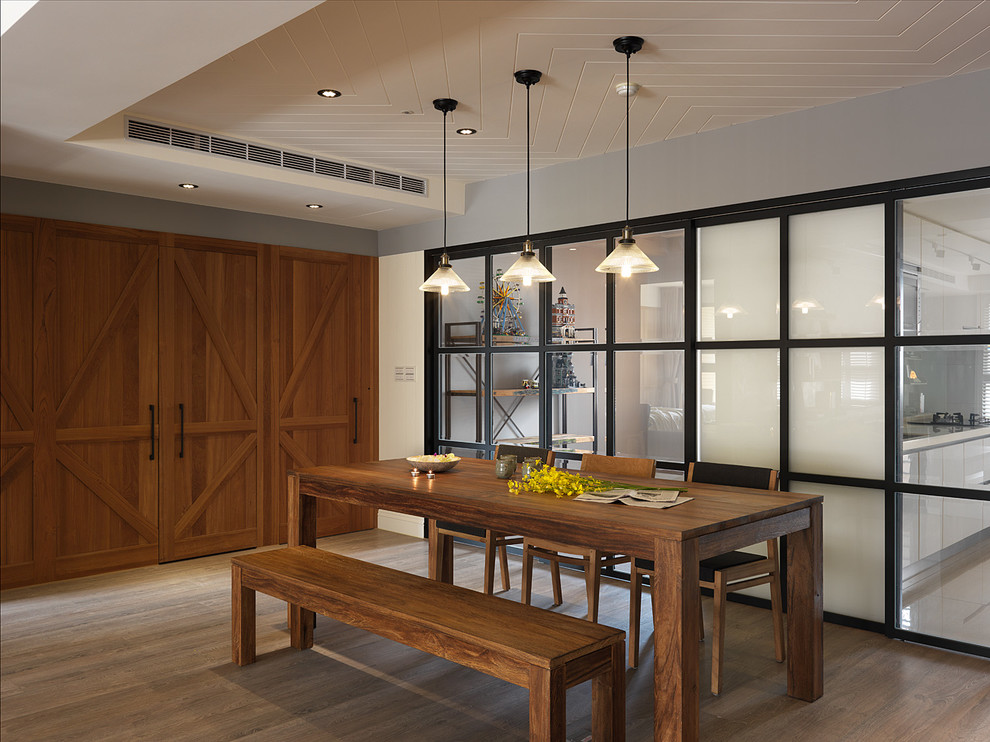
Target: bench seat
x: 543, y: 651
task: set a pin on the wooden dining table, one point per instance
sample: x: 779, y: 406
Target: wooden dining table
x: 718, y: 519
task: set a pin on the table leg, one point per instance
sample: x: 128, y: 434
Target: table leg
x: 441, y: 559
x: 302, y: 532
x: 676, y: 704
x: 805, y: 667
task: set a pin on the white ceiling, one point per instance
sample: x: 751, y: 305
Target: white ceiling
x: 71, y: 72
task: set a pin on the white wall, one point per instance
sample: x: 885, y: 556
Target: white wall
x: 400, y: 403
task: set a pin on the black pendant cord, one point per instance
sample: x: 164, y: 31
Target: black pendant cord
x: 528, y: 86
x: 444, y: 182
x: 628, y: 94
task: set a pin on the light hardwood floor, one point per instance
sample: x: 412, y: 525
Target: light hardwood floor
x: 145, y: 654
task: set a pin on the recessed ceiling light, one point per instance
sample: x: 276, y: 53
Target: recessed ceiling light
x: 467, y: 132
x: 408, y: 113
x: 188, y: 186
x: 328, y: 93
x: 314, y: 206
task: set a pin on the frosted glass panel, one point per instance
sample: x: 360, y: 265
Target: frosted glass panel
x: 739, y: 407
x: 461, y: 313
x: 836, y: 273
x: 515, y: 308
x: 738, y: 267
x: 577, y: 297
x: 945, y: 264
x: 650, y: 306
x: 853, y: 549
x: 836, y: 411
x: 649, y: 404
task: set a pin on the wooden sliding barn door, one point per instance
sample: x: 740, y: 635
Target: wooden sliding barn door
x: 17, y: 422
x: 211, y: 462
x: 326, y: 372
x: 99, y: 288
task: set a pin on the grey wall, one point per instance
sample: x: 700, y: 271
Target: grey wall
x: 51, y: 201
x: 926, y: 129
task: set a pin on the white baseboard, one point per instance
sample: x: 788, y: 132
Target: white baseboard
x: 408, y: 525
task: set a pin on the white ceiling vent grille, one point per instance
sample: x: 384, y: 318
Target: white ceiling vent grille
x: 147, y: 131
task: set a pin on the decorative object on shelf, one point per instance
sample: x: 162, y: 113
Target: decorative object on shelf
x: 432, y: 463
x: 527, y: 267
x: 444, y: 279
x: 562, y: 319
x: 627, y: 258
x: 506, y: 311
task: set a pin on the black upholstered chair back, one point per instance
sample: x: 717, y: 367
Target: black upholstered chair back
x: 733, y: 475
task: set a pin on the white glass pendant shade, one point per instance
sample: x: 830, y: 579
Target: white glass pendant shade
x: 730, y: 310
x: 527, y: 269
x: 627, y: 258
x: 444, y: 280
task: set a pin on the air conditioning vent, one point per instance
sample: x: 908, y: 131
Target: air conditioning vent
x: 413, y: 185
x: 149, y: 131
x: 330, y: 168
x: 228, y: 148
x: 360, y: 174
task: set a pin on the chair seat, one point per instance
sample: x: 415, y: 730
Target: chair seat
x: 444, y: 525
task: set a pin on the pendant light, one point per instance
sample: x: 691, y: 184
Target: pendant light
x: 444, y: 280
x: 527, y: 267
x: 627, y: 258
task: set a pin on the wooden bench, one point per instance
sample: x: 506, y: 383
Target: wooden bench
x: 543, y: 651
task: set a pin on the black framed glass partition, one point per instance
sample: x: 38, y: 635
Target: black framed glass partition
x: 843, y: 338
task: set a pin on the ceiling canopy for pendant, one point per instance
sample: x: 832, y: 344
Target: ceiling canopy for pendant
x: 444, y: 279
x: 527, y: 269
x: 627, y: 258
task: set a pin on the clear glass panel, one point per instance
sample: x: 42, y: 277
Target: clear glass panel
x: 649, y: 307
x: 739, y: 271
x: 462, y: 392
x: 578, y: 384
x: 945, y: 264
x: 836, y: 273
x: 461, y: 314
x: 516, y: 398
x: 649, y: 404
x: 836, y: 411
x: 945, y: 416
x: 945, y: 567
x: 577, y: 311
x: 853, y: 548
x: 465, y: 453
x: 739, y: 407
x: 515, y: 316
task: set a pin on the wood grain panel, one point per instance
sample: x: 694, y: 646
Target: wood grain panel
x: 325, y: 372
x: 210, y: 448
x: 105, y: 377
x: 17, y: 256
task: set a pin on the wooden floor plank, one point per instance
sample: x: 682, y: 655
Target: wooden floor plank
x: 145, y: 653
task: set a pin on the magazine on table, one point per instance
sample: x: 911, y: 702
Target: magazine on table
x: 663, y: 497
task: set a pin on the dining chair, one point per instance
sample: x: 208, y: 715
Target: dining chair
x: 724, y: 573
x: 494, y: 541
x: 590, y: 559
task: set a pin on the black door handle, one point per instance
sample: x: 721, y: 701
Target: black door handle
x: 152, y: 456
x: 182, y: 431
x: 355, y: 419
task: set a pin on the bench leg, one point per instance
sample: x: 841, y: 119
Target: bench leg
x: 608, y: 699
x: 547, y: 705
x: 242, y: 627
x: 301, y: 627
